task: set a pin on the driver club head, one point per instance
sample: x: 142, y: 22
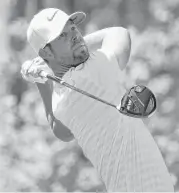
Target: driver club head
x: 139, y: 102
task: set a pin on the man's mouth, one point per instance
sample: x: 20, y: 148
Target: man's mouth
x: 80, y: 52
x: 78, y: 45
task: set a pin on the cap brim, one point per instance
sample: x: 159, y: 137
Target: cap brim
x: 77, y: 17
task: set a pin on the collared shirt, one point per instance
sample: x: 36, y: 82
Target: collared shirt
x: 120, y: 147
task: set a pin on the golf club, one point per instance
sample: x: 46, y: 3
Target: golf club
x: 138, y: 102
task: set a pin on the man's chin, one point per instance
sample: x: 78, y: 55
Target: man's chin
x: 81, y: 60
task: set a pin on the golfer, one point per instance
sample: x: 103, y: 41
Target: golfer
x: 119, y: 146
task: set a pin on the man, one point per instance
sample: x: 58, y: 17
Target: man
x: 120, y: 147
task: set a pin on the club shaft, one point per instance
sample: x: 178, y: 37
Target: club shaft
x: 62, y: 82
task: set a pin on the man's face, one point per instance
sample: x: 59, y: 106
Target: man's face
x: 70, y: 47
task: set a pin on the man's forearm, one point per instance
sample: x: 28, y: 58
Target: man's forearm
x: 59, y: 130
x: 115, y: 40
x: 94, y: 40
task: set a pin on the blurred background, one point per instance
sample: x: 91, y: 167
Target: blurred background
x: 31, y: 158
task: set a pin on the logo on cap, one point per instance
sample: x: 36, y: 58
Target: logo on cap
x: 51, y: 18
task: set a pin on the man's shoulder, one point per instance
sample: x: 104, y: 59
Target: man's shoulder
x: 102, y: 59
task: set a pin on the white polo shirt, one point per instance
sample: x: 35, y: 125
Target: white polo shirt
x: 120, y: 147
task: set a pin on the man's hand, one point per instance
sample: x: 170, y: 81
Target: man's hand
x: 31, y: 69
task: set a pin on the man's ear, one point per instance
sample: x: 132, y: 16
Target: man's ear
x: 46, y: 53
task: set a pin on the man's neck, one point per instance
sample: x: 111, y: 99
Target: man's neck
x: 59, y: 69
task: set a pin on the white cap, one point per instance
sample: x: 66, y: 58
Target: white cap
x: 48, y: 24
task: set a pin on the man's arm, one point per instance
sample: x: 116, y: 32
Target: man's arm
x: 60, y: 130
x: 114, y: 40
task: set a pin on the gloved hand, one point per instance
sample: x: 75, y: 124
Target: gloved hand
x: 30, y: 70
